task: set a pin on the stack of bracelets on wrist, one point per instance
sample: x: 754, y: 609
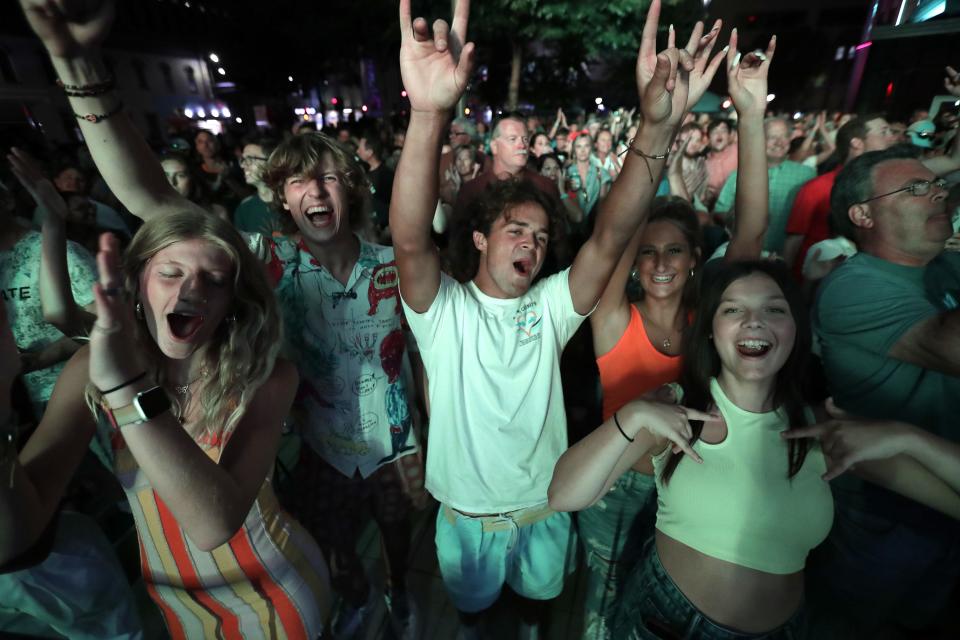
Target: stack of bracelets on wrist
x: 646, y: 157
x: 92, y: 91
x: 87, y: 90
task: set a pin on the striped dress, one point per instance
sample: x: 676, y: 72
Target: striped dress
x: 269, y: 581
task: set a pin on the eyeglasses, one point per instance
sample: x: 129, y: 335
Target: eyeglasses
x: 251, y: 159
x: 918, y: 189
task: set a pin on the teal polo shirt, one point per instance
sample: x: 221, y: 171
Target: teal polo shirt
x: 784, y: 181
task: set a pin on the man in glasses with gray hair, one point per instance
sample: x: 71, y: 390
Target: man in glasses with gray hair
x: 888, y: 322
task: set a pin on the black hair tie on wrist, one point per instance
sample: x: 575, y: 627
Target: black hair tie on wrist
x: 129, y: 382
x: 622, y: 432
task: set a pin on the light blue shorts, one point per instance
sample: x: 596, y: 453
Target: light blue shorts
x: 532, y: 559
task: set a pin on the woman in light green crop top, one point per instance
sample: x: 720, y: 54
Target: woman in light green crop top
x: 735, y: 523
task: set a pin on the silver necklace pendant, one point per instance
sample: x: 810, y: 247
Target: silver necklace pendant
x: 181, y: 389
x: 666, y: 343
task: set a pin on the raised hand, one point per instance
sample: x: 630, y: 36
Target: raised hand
x: 847, y: 440
x: 113, y: 350
x: 661, y: 77
x: 37, y: 185
x: 952, y: 81
x: 453, y: 177
x: 747, y: 77
x: 704, y: 67
x: 435, y: 70
x: 69, y: 28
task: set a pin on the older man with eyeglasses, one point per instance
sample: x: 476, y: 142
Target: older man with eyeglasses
x: 888, y: 322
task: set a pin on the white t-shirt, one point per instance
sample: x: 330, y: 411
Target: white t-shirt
x: 20, y: 291
x: 497, y: 421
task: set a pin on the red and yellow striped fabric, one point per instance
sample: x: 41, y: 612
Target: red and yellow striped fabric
x: 269, y: 581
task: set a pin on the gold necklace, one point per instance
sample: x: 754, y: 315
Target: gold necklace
x: 183, y: 390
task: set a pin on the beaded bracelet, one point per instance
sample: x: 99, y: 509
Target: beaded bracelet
x: 87, y: 90
x: 100, y: 117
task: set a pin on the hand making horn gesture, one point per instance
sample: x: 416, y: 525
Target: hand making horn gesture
x: 435, y: 70
x: 672, y: 81
x: 747, y: 77
x: 848, y: 440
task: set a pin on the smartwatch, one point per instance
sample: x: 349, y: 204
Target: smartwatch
x: 146, y: 405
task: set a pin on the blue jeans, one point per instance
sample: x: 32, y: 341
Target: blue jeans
x: 873, y: 574
x: 654, y: 608
x: 613, y: 532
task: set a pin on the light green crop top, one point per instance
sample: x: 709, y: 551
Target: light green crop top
x: 739, y: 505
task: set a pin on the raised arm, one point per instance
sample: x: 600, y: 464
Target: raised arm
x: 942, y: 165
x: 556, y: 124
x: 587, y: 470
x: 56, y: 296
x: 678, y: 187
x: 747, y: 84
x: 435, y: 72
x: 668, y: 83
x: 71, y: 33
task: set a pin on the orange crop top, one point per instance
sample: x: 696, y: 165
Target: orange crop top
x: 634, y: 367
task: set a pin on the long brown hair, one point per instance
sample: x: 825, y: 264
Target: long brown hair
x: 701, y: 361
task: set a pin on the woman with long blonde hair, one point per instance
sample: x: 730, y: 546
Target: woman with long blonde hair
x: 185, y: 390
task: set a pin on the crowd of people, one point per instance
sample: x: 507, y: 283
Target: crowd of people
x: 774, y: 336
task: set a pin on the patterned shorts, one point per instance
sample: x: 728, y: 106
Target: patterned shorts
x: 334, y: 508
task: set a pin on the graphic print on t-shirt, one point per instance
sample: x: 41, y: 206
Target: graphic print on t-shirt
x: 528, y: 320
